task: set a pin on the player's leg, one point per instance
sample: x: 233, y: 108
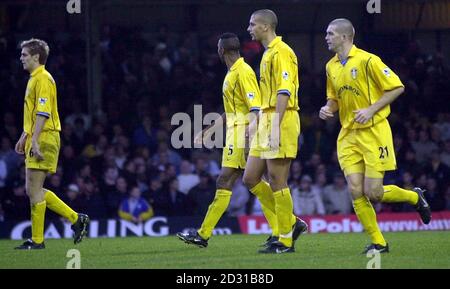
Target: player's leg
x: 379, y: 154
x: 50, y: 145
x: 393, y: 194
x: 79, y: 221
x: 59, y: 207
x: 278, y: 170
x: 224, y: 184
x: 361, y: 204
x: 33, y: 186
x: 415, y: 197
x: 254, y: 171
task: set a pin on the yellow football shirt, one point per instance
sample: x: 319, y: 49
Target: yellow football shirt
x: 357, y: 84
x: 40, y: 99
x: 240, y: 93
x: 279, y: 75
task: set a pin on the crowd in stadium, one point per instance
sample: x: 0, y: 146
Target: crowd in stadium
x: 123, y: 151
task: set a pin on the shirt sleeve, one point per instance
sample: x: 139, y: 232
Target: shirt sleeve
x: 250, y: 90
x: 284, y: 73
x: 43, y: 97
x: 331, y: 93
x: 382, y: 75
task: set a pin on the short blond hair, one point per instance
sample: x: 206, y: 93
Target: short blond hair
x: 268, y: 17
x: 344, y: 26
x: 37, y: 46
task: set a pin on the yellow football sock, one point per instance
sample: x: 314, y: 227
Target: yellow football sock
x: 367, y: 217
x: 37, y: 222
x: 215, y: 212
x: 394, y: 194
x: 284, y: 208
x: 265, y: 196
x: 58, y: 206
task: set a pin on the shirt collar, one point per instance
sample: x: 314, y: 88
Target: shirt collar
x: 274, y: 42
x: 39, y: 69
x: 237, y: 63
x: 351, y: 53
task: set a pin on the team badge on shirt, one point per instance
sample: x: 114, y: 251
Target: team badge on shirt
x: 42, y: 100
x: 387, y: 72
x: 285, y: 75
x: 251, y: 95
x: 354, y: 72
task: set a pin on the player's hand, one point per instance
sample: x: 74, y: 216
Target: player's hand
x: 363, y: 115
x: 325, y: 112
x: 20, y: 145
x: 36, y: 151
x: 274, y: 139
x: 198, y: 139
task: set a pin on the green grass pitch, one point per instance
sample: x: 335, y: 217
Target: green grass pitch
x: 408, y: 250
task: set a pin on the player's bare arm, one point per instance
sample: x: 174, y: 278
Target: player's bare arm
x: 205, y: 132
x: 327, y: 111
x: 20, y: 145
x: 282, y: 102
x: 364, y: 115
x: 251, y: 128
x: 35, y: 148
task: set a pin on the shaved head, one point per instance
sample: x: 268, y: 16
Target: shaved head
x: 268, y: 17
x: 229, y: 42
x: 343, y: 27
x: 228, y: 46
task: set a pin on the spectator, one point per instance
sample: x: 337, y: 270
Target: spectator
x: 423, y: 147
x: 438, y: 170
x: 9, y: 156
x: 153, y: 190
x: 336, y: 196
x: 114, y: 197
x: 434, y: 198
x: 239, y: 199
x: 135, y: 208
x: 296, y: 172
x: 55, y: 183
x: 17, y: 206
x: 200, y: 196
x: 186, y: 178
x: 144, y: 135
x: 94, y: 203
x: 165, y: 154
x: 73, y: 198
x: 307, y: 201
x: 108, y: 183
x: 170, y: 201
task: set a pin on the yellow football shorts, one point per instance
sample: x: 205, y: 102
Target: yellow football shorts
x: 369, y: 151
x: 289, y: 132
x: 233, y: 154
x: 49, y: 144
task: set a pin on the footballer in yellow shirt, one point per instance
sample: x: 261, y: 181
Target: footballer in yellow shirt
x: 361, y: 87
x: 276, y: 141
x: 241, y: 97
x: 40, y: 143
